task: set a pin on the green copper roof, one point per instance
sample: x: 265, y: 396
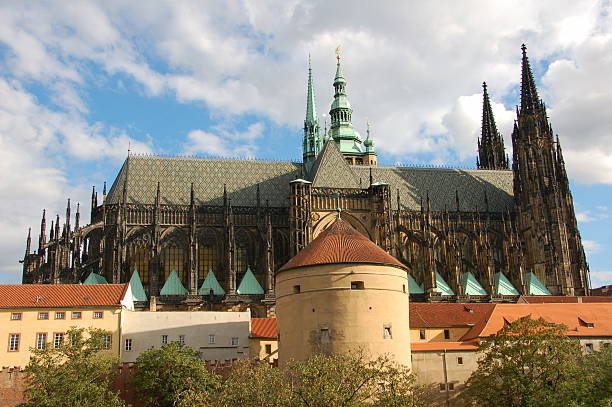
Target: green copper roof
x: 94, y: 278
x: 249, y: 284
x: 173, y: 285
x: 339, y: 74
x: 414, y: 287
x: 442, y: 287
x: 138, y: 291
x: 535, y: 286
x: 211, y: 283
x: 471, y: 286
x: 503, y: 286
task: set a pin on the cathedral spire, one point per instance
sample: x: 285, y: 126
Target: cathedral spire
x: 529, y: 94
x: 491, y: 152
x: 312, y: 144
x: 341, y: 129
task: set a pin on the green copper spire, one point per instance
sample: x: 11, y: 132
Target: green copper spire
x: 369, y: 143
x: 341, y: 129
x: 312, y: 143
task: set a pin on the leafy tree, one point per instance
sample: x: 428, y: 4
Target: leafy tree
x: 173, y: 375
x: 528, y: 363
x: 75, y: 375
x: 256, y: 384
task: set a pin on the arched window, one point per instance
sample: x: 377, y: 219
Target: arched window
x: 208, y: 253
x: 281, y: 249
x: 174, y: 255
x: 138, y: 258
x: 244, y: 252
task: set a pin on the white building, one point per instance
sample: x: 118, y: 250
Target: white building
x: 216, y: 335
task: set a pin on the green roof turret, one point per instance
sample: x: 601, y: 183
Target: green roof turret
x: 369, y: 142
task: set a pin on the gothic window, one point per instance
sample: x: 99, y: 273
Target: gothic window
x: 244, y: 252
x: 208, y: 253
x: 281, y: 249
x: 174, y: 257
x: 138, y: 257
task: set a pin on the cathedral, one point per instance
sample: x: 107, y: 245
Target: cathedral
x: 213, y: 232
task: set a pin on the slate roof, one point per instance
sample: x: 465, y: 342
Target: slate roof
x: 61, y: 295
x: 341, y: 243
x: 264, y: 328
x: 175, y: 176
x: 441, y: 184
x: 330, y: 170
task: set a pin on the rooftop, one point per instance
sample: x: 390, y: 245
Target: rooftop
x: 61, y: 295
x: 264, y: 328
x: 341, y: 243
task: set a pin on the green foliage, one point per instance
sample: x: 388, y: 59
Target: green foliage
x: 321, y: 381
x: 173, y: 375
x: 532, y: 363
x: 76, y: 375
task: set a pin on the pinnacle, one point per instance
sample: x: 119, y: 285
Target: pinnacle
x: 529, y: 92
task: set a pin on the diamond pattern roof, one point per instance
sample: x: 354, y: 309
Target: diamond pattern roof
x: 175, y: 176
x: 330, y: 170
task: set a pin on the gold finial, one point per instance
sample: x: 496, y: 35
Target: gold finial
x: 338, y: 52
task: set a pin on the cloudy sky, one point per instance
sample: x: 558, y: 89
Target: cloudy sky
x: 80, y: 81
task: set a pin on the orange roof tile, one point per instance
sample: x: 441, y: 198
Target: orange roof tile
x: 264, y: 328
x: 341, y: 243
x: 438, y: 346
x: 598, y: 314
x: 431, y: 315
x: 542, y: 299
x: 61, y: 295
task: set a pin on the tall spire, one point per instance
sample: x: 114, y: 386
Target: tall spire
x: 529, y: 94
x: 341, y: 129
x: 312, y: 144
x: 491, y: 152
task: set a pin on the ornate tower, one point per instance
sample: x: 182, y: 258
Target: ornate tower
x: 341, y: 129
x: 491, y: 152
x: 545, y: 211
x: 312, y: 143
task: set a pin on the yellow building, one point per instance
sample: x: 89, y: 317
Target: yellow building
x: 263, y: 341
x: 35, y: 316
x: 342, y: 293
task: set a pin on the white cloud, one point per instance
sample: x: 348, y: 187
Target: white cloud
x: 224, y: 143
x: 591, y: 246
x: 600, y: 278
x: 584, y: 217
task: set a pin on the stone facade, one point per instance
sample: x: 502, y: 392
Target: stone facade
x: 484, y: 235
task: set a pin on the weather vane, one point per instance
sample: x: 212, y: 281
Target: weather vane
x: 338, y: 52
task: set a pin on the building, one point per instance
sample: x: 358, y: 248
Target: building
x: 491, y: 234
x: 218, y: 336
x: 342, y: 293
x: 264, y: 340
x: 37, y: 316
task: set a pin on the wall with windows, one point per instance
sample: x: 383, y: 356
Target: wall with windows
x: 437, y: 334
x: 23, y: 328
x: 216, y: 335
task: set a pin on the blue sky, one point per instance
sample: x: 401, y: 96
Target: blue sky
x: 82, y: 81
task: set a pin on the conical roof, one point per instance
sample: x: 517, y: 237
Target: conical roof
x: 341, y: 243
x: 249, y: 284
x: 138, y: 291
x: 471, y: 286
x: 442, y: 286
x: 94, y: 278
x: 535, y: 286
x: 211, y: 283
x: 173, y: 285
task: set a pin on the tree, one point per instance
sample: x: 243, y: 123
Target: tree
x: 75, y: 375
x: 173, y: 375
x: 528, y: 363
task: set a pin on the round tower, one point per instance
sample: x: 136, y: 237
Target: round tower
x: 342, y: 293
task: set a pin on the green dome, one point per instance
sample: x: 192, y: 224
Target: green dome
x: 341, y: 102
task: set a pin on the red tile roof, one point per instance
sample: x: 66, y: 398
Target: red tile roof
x: 264, y: 328
x: 341, y: 243
x: 550, y: 299
x: 438, y: 346
x: 429, y: 315
x: 574, y: 316
x: 61, y: 295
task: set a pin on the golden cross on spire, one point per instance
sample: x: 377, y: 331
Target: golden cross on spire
x: 338, y: 52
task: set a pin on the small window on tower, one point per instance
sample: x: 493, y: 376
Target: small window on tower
x: 446, y: 334
x: 357, y: 285
x: 296, y: 289
x: 325, y: 335
x: 268, y: 349
x: 387, y: 332
x: 421, y: 334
